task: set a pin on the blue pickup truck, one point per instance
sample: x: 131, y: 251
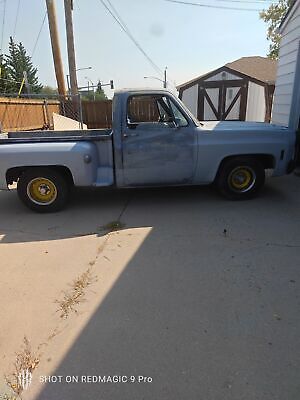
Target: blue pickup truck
x: 154, y: 141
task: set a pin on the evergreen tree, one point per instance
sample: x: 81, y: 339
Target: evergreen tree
x: 273, y: 16
x: 100, y: 95
x: 48, y: 90
x: 5, y: 84
x: 18, y: 62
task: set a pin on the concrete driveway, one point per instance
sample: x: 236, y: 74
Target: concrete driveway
x: 179, y: 292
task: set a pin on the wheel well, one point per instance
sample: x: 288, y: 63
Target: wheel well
x: 267, y: 160
x: 13, y: 174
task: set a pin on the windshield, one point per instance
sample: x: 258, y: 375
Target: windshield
x: 187, y: 111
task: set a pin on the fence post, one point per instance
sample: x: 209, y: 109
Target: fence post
x: 46, y: 114
x: 62, y: 105
x: 80, y: 111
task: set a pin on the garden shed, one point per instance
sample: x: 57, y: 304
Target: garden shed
x: 286, y: 108
x: 239, y: 91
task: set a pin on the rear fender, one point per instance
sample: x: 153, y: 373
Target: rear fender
x: 79, y: 158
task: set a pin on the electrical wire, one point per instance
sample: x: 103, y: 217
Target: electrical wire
x: 248, y: 1
x: 120, y: 19
x: 116, y: 16
x: 125, y: 28
x: 9, y: 80
x: 39, y: 34
x: 17, y: 16
x: 187, y: 3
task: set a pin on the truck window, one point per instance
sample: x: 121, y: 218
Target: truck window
x: 142, y: 109
x: 153, y: 110
x: 179, y: 117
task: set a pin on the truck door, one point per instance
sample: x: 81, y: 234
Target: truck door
x: 159, y: 143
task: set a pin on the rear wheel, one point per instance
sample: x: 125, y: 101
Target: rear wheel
x: 43, y: 189
x: 240, y: 178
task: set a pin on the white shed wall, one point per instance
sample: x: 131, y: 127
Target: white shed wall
x: 287, y: 64
x: 190, y: 99
x: 256, y: 104
x: 235, y: 111
x: 213, y: 94
x: 219, y: 77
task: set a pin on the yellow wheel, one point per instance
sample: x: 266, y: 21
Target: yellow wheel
x: 242, y: 179
x: 42, y: 191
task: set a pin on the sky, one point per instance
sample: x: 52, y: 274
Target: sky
x: 188, y: 40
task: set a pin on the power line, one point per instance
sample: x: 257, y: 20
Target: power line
x: 248, y: 1
x: 123, y: 23
x: 17, y: 16
x: 118, y: 16
x: 39, y: 34
x: 3, y: 24
x: 9, y: 80
x: 211, y: 6
x: 124, y: 27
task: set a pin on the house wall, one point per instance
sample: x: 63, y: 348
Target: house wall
x: 190, y: 99
x: 256, y: 103
x: 284, y: 111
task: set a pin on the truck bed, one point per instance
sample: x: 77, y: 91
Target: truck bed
x: 55, y: 136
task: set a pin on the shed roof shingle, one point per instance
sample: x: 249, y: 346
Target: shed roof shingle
x: 261, y: 68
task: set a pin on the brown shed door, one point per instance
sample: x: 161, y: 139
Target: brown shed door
x: 223, y: 100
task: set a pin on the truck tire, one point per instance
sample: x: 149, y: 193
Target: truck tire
x: 240, y: 178
x: 43, y: 190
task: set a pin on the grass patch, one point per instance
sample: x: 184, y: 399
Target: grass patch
x: 25, y: 360
x: 9, y: 397
x: 75, y: 295
x: 113, y: 226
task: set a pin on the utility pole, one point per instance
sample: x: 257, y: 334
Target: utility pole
x: 71, y: 47
x: 165, y: 78
x: 58, y: 66
x: 25, y: 77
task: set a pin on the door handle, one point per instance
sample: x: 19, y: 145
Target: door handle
x: 126, y: 135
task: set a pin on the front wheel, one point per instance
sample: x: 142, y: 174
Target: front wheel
x: 240, y: 178
x: 43, y: 190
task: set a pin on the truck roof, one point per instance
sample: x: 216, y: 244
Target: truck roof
x: 143, y: 91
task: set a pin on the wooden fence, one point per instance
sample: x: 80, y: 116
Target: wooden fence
x: 97, y: 114
x: 26, y: 114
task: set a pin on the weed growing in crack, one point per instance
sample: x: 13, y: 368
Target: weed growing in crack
x: 25, y: 360
x: 113, y: 226
x: 75, y: 295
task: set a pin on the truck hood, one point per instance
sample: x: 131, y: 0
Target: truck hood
x: 241, y: 126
